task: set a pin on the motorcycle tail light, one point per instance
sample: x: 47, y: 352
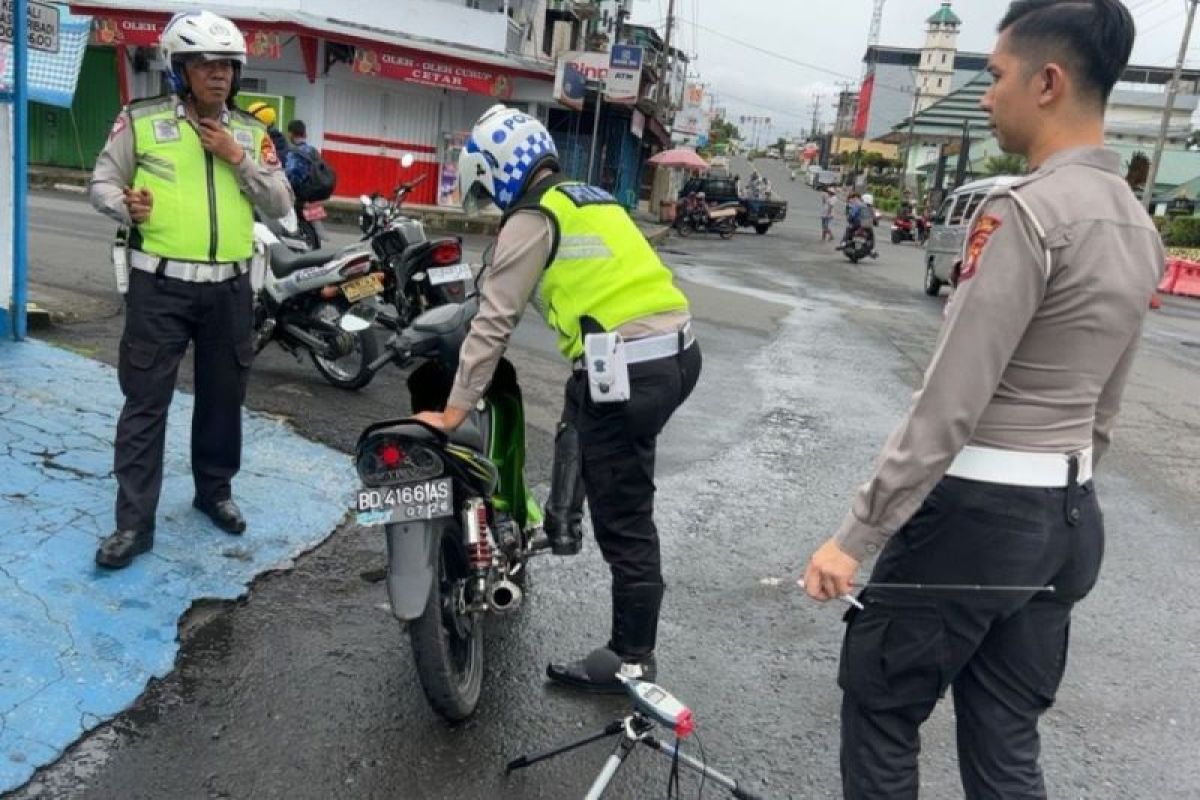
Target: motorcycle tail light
x: 446, y: 253
x: 388, y: 459
x: 356, y: 266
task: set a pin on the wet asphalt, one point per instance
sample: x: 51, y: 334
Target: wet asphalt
x: 306, y: 688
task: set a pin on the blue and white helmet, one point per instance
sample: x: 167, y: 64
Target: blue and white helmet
x: 505, y: 149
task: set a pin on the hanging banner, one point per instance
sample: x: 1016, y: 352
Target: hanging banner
x: 52, y: 73
x: 136, y: 31
x: 624, y: 75
x: 448, y: 184
x: 429, y: 71
x: 620, y: 72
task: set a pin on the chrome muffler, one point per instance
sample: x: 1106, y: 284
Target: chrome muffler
x: 504, y: 596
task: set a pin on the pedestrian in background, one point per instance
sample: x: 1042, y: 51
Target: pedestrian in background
x: 988, y: 481
x: 185, y: 171
x: 828, y: 199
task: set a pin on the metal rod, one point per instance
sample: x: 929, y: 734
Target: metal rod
x: 20, y: 169
x: 1168, y: 109
x: 952, y: 587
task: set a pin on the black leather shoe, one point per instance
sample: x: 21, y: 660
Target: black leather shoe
x: 595, y: 674
x: 119, y: 549
x: 225, y: 513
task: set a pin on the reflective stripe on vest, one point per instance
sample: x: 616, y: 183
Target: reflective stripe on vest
x: 199, y: 211
x: 603, y: 268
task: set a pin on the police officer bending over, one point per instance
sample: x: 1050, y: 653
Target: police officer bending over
x: 573, y: 251
x: 988, y: 481
x: 186, y: 170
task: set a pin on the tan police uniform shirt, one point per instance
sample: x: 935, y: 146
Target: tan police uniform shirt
x: 521, y: 255
x: 264, y: 183
x: 1058, y: 271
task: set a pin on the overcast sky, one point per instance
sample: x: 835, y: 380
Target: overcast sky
x: 830, y: 36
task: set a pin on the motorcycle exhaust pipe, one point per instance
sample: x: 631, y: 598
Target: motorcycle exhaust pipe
x: 504, y: 596
x: 307, y: 340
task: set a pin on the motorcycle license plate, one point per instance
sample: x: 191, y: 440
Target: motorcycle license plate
x: 366, y: 286
x: 314, y: 212
x: 411, y: 502
x: 454, y: 272
x: 763, y: 220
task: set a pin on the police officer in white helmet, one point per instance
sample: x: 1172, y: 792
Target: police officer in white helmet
x: 572, y: 250
x: 184, y: 172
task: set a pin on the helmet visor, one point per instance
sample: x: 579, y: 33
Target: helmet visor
x: 476, y: 199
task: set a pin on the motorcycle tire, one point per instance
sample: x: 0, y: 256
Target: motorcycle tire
x: 683, y: 227
x: 308, y: 232
x: 351, y: 379
x: 448, y: 648
x: 727, y: 230
x: 761, y: 228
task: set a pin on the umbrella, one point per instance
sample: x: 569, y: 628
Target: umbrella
x: 679, y: 157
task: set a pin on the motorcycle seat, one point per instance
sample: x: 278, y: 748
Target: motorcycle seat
x: 468, y: 435
x: 285, y: 261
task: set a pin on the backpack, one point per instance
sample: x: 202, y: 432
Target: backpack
x: 319, y: 178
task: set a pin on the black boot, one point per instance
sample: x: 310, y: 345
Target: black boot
x: 631, y: 649
x: 564, y: 507
x: 119, y: 549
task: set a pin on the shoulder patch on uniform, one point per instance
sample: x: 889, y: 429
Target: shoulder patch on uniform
x: 119, y: 125
x: 582, y: 195
x: 266, y: 152
x: 983, y: 229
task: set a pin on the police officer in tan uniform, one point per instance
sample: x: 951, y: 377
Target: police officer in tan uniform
x: 988, y: 481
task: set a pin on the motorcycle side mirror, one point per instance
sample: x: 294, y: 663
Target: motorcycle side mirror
x: 359, y: 318
x: 364, y: 199
x: 407, y: 160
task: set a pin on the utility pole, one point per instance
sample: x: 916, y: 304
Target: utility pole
x: 816, y: 113
x: 1168, y: 107
x: 666, y: 60
x: 622, y: 15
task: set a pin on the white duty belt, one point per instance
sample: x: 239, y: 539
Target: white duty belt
x: 190, y: 271
x: 652, y: 348
x: 1017, y: 468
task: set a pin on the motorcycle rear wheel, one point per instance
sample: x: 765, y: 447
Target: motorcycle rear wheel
x: 350, y: 372
x: 448, y: 645
x: 727, y: 229
x: 683, y: 227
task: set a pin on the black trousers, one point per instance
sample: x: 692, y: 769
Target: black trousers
x: 618, y: 441
x: 162, y: 315
x: 1002, y: 654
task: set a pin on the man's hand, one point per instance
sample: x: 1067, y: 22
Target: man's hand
x: 449, y: 420
x: 830, y: 572
x: 139, y: 202
x: 218, y: 141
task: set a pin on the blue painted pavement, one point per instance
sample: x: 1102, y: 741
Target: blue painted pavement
x: 78, y: 644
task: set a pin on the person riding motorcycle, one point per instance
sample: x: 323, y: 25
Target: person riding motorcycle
x: 572, y: 250
x: 860, y: 214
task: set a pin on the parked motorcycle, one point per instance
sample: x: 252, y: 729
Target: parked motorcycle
x: 459, y: 521
x: 300, y: 298
x: 419, y: 273
x: 907, y: 228
x: 696, y: 215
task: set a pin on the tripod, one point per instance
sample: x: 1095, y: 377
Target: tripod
x: 633, y: 729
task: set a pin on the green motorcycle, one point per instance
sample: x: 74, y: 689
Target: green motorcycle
x: 459, y: 519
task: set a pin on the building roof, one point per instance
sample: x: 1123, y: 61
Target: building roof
x: 323, y: 26
x: 946, y: 117
x: 944, y: 16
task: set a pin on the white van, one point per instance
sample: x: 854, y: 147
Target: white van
x: 948, y: 231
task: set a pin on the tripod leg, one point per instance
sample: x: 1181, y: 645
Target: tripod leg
x: 698, y: 767
x: 612, y: 729
x: 610, y: 769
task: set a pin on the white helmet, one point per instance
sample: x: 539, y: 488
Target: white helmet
x: 869, y: 199
x: 505, y: 149
x: 200, y: 34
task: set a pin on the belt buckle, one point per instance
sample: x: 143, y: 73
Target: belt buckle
x: 206, y: 273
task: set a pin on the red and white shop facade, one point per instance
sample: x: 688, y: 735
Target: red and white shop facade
x: 367, y: 97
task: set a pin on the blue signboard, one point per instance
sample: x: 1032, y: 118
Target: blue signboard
x: 626, y: 56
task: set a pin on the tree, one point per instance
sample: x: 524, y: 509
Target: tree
x: 1007, y: 164
x: 722, y: 131
x: 781, y: 144
x: 1138, y: 171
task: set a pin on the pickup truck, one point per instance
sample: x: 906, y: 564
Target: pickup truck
x: 757, y: 214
